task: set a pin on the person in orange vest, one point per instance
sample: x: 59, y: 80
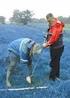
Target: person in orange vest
x: 54, y: 41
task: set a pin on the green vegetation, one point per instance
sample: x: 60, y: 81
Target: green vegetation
x: 25, y: 17
x: 2, y: 20
x: 67, y: 27
x: 21, y: 17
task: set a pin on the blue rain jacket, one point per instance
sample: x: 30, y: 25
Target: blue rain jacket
x: 20, y: 47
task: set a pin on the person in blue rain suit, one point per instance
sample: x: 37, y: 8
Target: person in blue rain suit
x: 21, y: 50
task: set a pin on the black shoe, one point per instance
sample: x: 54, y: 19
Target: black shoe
x: 52, y: 78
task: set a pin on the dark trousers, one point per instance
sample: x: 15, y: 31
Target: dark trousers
x: 55, y: 54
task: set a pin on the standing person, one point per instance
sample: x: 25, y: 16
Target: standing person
x: 21, y: 50
x: 54, y: 40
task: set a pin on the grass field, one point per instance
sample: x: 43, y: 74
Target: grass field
x: 58, y: 89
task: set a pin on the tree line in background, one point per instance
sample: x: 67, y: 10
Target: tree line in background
x: 21, y: 17
x: 25, y: 17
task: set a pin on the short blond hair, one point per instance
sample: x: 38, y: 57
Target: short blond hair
x: 37, y: 48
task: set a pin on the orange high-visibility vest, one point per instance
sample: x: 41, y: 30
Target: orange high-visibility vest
x: 55, y: 34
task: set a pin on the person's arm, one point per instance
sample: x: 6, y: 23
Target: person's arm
x: 55, y: 35
x: 30, y: 63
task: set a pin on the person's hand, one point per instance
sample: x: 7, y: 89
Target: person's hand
x: 46, y: 45
x: 28, y: 79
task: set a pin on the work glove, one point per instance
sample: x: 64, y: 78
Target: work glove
x: 46, y: 45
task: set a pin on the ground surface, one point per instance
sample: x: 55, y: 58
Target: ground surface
x: 57, y: 89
